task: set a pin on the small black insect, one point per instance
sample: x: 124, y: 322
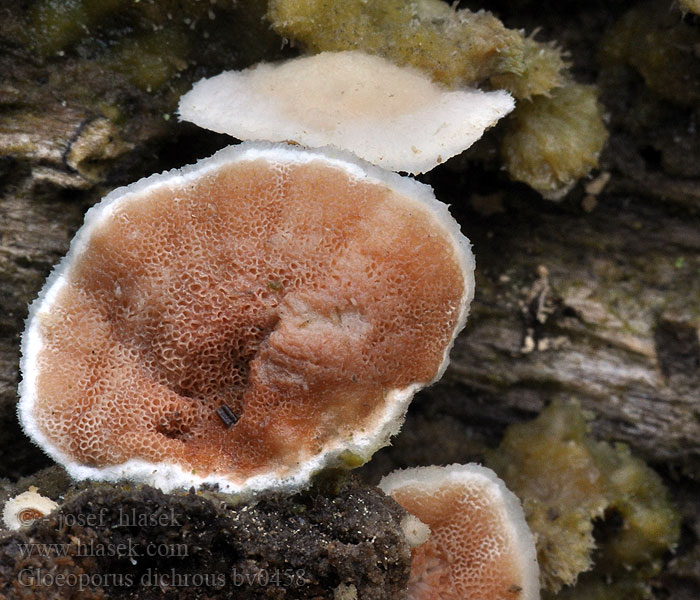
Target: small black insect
x: 228, y: 417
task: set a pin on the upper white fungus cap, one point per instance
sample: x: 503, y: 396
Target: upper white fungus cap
x: 392, y: 116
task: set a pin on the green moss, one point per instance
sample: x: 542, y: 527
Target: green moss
x: 457, y: 47
x: 568, y: 483
x: 150, y: 60
x: 662, y: 48
x: 58, y: 24
x: 548, y: 465
x: 552, y: 141
x: 536, y: 71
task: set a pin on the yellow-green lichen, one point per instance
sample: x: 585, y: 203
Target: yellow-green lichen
x: 550, y: 142
x: 637, y: 495
x: 662, y: 48
x: 457, y: 47
x: 568, y: 483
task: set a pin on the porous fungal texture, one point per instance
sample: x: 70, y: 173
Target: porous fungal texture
x: 25, y: 508
x: 392, y: 116
x: 479, y: 546
x: 244, y: 321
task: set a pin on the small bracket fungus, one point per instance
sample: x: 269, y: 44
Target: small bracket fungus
x: 25, y: 508
x: 479, y: 547
x: 415, y: 530
x: 245, y: 321
x: 392, y: 116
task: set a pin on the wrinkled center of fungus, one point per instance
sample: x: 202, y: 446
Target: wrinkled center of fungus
x: 241, y: 321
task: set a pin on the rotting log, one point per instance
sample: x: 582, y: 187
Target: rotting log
x: 602, y: 307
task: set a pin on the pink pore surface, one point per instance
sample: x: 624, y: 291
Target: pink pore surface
x: 470, y: 552
x: 293, y: 294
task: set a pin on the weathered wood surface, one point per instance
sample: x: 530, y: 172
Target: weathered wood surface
x: 601, y: 307
x: 86, y: 104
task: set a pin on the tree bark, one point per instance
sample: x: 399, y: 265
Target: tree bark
x: 601, y: 307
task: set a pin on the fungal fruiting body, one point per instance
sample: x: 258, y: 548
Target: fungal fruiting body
x: 392, y: 116
x: 245, y: 321
x: 25, y: 508
x: 479, y: 547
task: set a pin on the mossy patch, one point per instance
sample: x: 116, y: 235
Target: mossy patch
x: 550, y: 142
x: 536, y: 71
x: 692, y: 6
x: 663, y: 49
x: 456, y: 47
x: 649, y: 524
x: 592, y: 505
x: 547, y: 464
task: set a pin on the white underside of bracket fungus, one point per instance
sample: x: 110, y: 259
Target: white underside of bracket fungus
x: 391, y: 116
x: 120, y: 379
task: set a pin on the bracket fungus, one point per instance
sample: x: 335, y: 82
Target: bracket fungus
x: 392, y: 116
x: 479, y: 547
x: 245, y: 321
